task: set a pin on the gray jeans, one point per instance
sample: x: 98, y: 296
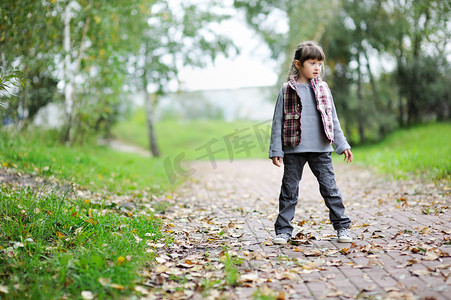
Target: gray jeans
x: 321, y: 166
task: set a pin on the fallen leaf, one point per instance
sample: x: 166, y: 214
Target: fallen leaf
x: 104, y: 281
x: 344, y: 251
x: 161, y: 269
x: 87, y: 295
x: 141, y: 289
x: 420, y: 273
x: 425, y: 230
x: 4, y: 289
x: 250, y: 277
x: 91, y: 221
x: 120, y: 260
x: 160, y: 259
x: 281, y: 296
x: 117, y: 286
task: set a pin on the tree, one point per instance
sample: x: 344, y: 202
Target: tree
x: 354, y: 34
x: 98, y: 38
x: 22, y: 47
x: 176, y: 35
x: 8, y: 82
x: 423, y: 37
x: 99, y: 50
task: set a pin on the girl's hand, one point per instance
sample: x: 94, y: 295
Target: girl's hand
x: 348, y: 155
x: 277, y: 161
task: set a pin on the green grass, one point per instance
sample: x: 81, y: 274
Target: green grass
x: 230, y: 268
x: 193, y: 139
x: 422, y: 151
x: 53, y: 247
x: 90, y: 166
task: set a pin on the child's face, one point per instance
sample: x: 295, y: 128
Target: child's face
x: 310, y: 69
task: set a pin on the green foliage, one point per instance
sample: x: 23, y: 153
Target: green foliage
x: 8, y: 80
x: 407, y: 85
x: 89, y: 166
x: 55, y: 247
x: 21, y: 48
x: 421, y: 151
x: 114, y: 47
x: 8, y: 104
x: 257, y: 16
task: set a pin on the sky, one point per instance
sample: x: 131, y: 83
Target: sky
x: 252, y: 67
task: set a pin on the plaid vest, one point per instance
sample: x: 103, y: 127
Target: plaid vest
x: 292, y: 108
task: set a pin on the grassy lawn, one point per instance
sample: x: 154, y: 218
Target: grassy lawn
x: 90, y: 166
x: 423, y: 151
x: 55, y: 245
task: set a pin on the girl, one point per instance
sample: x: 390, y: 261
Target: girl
x: 304, y: 126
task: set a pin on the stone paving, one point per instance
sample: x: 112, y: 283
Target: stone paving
x: 401, y: 231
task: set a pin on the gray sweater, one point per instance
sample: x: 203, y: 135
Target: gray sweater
x: 313, y: 138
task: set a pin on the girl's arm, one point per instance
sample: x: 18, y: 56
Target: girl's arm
x: 340, y: 142
x: 275, y: 147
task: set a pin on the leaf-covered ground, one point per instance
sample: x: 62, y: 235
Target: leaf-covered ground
x: 222, y: 224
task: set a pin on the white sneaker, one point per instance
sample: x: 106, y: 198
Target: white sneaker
x: 343, y: 235
x: 281, y: 239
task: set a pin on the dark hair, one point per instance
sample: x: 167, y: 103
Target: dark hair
x: 305, y: 51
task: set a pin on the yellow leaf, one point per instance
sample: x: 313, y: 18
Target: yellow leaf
x: 117, y: 286
x: 87, y: 201
x: 344, y: 251
x: 5, y: 164
x: 91, y: 221
x: 59, y: 234
x: 425, y: 230
x: 120, y: 260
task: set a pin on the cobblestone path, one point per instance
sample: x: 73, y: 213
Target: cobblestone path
x: 401, y: 231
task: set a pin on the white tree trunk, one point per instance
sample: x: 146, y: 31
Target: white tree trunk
x: 67, y: 61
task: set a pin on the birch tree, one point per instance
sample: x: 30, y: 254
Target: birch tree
x: 98, y: 36
x: 178, y: 34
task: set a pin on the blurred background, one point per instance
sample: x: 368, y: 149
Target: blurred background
x: 177, y: 76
